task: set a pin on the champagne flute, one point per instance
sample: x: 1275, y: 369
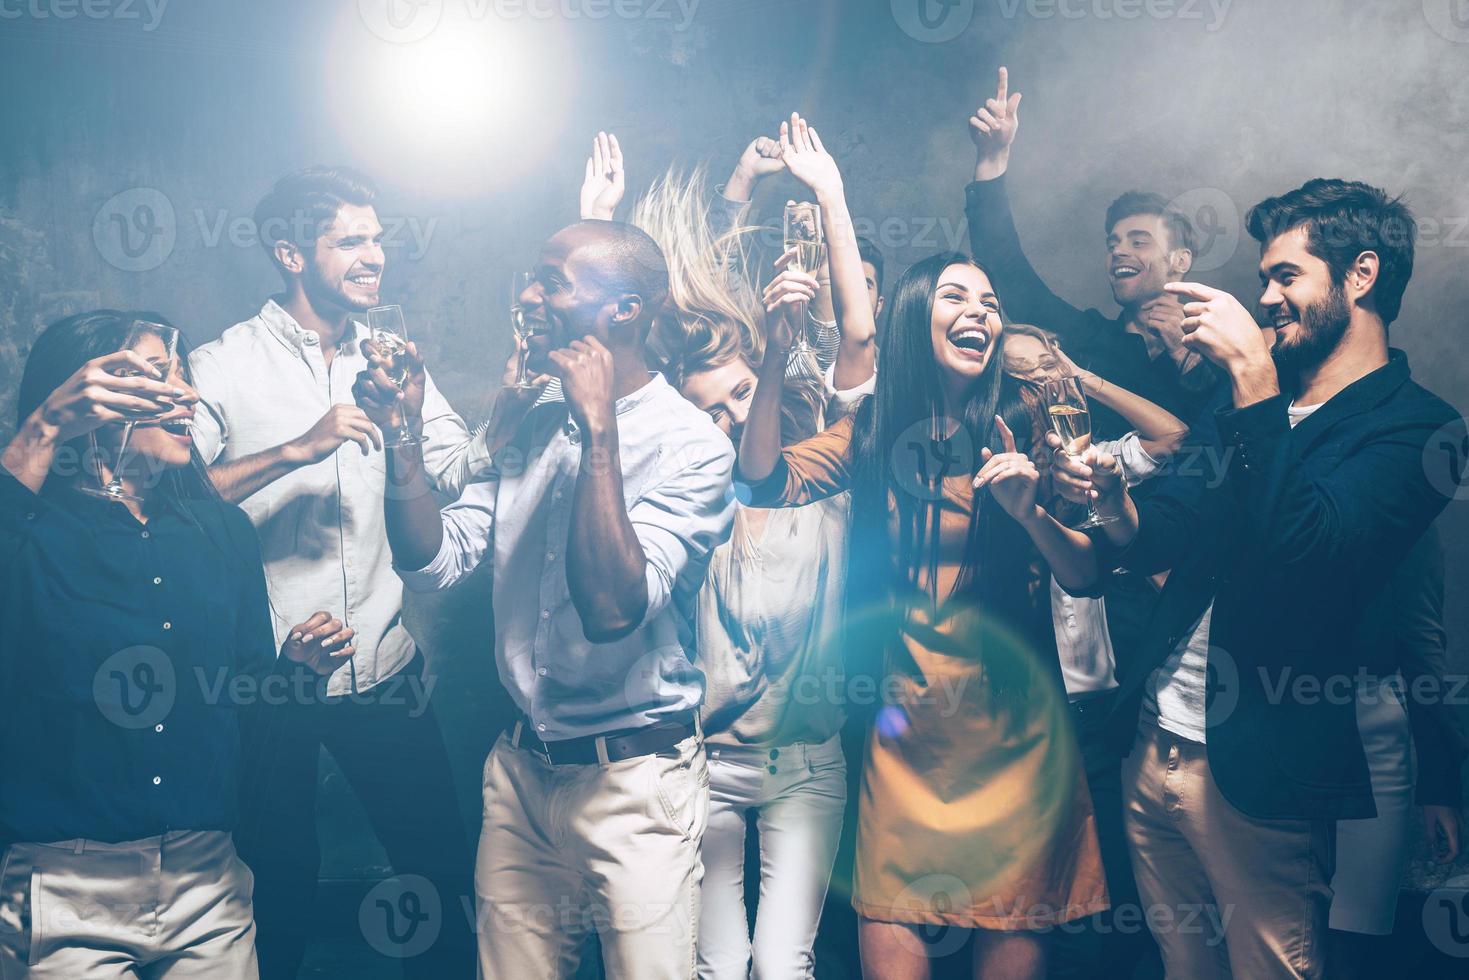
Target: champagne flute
x: 113, y: 489
x: 519, y: 283
x: 390, y: 336
x: 803, y: 236
x: 1072, y: 421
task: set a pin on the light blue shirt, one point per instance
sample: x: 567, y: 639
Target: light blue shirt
x: 676, y: 475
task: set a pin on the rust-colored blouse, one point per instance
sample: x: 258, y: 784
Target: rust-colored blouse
x: 966, y: 817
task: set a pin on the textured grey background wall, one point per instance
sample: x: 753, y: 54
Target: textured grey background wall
x: 135, y: 145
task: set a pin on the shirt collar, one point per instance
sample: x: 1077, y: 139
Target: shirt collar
x: 656, y: 385
x: 285, y: 328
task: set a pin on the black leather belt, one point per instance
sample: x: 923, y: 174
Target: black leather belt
x: 591, y: 750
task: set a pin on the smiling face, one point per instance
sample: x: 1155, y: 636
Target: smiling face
x: 725, y: 393
x: 1308, y: 311
x: 563, y: 302
x: 1140, y: 259
x: 965, y: 325
x: 343, y: 268
x: 165, y: 442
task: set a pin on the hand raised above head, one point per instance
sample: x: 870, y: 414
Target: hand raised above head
x: 993, y: 127
x: 605, y: 182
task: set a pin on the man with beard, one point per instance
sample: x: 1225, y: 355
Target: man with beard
x: 598, y: 516
x: 286, y: 442
x: 1247, y: 749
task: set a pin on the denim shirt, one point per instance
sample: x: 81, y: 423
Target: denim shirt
x: 676, y: 473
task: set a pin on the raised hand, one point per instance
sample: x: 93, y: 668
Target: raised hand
x: 785, y: 300
x: 391, y: 407
x: 992, y: 127
x: 760, y: 159
x: 320, y: 643
x: 585, y: 370
x: 113, y: 388
x: 807, y: 159
x: 1084, y: 479
x: 341, y: 423
x: 604, y: 184
x: 1011, y: 476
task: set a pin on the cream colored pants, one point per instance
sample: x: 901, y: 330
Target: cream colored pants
x: 175, y: 907
x: 568, y: 850
x: 1225, y: 894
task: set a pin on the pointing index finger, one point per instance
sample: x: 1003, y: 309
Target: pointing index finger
x: 1193, y: 290
x: 1007, y: 438
x: 1004, y: 92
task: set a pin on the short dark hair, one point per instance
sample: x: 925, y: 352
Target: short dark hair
x: 869, y: 251
x: 627, y: 259
x: 1180, y: 229
x: 1343, y: 219
x: 301, y: 204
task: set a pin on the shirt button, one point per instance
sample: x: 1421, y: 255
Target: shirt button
x: 542, y: 671
x: 145, y: 534
x: 168, y: 626
x: 773, y: 770
x: 540, y: 728
x: 157, y: 780
x: 158, y: 728
x: 545, y: 614
x: 157, y: 580
x: 31, y: 516
x: 550, y: 556
x: 775, y: 753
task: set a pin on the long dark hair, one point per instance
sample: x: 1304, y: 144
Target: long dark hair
x: 65, y: 346
x: 902, y: 428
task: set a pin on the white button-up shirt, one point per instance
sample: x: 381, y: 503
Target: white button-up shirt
x: 676, y: 477
x: 321, y: 526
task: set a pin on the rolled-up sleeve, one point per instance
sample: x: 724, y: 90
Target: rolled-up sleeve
x: 452, y: 455
x: 684, y: 515
x: 212, y: 383
x: 469, y: 525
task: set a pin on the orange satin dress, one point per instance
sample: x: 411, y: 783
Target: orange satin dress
x: 966, y: 817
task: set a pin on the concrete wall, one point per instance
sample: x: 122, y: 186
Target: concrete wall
x: 104, y: 118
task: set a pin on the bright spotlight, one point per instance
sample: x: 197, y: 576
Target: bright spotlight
x: 450, y: 105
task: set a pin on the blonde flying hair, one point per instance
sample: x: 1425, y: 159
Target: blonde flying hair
x: 714, y: 314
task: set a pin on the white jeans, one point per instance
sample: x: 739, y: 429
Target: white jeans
x: 175, y: 907
x: 798, y: 793
x: 567, y: 850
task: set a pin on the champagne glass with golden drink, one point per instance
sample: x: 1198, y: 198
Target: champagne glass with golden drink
x: 1072, y: 421
x: 390, y: 336
x: 803, y: 236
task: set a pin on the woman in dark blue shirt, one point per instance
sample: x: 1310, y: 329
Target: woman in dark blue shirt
x: 132, y: 632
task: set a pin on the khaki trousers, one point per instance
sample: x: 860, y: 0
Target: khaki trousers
x: 175, y: 907
x: 1225, y: 894
x: 571, y: 849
